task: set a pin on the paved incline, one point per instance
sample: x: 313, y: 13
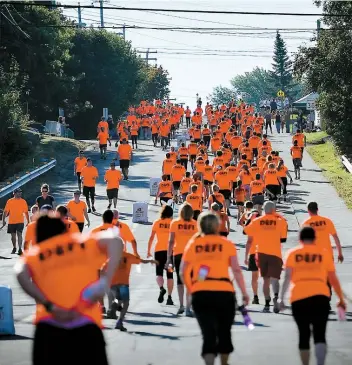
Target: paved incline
x: 155, y: 335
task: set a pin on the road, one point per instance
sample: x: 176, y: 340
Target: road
x: 156, y: 336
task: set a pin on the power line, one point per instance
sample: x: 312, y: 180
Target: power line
x: 226, y: 12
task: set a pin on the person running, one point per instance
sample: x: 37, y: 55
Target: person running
x: 16, y: 209
x: 77, y: 210
x: 224, y: 228
x: 282, y: 172
x: 208, y: 256
x: 161, y: 229
x: 216, y: 197
x: 272, y: 182
x: 301, y: 140
x: 79, y: 163
x: 183, y: 155
x: 324, y: 228
x: 89, y: 177
x: 308, y: 269
x: 181, y: 231
x: 257, y: 189
x: 165, y: 190
x: 45, y: 198
x: 103, y: 138
x: 30, y: 229
x: 112, y: 179
x: 178, y: 172
x: 268, y: 232
x: 296, y: 153
x: 208, y: 178
x: 185, y: 186
x: 65, y: 288
x: 167, y: 166
x: 124, y: 152
x: 196, y: 201
x: 107, y: 217
x: 134, y: 135
x: 239, y: 199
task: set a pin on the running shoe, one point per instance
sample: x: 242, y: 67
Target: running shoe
x: 161, y: 295
x: 266, y: 309
x: 276, y: 305
x: 111, y: 314
x: 20, y: 252
x: 119, y: 326
x: 89, y: 210
x: 109, y: 206
x: 181, y: 310
x: 169, y: 301
x: 13, y: 250
x: 189, y: 313
x: 93, y: 209
x: 255, y: 300
x: 103, y: 310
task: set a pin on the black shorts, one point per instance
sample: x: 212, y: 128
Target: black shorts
x: 173, y: 127
x: 14, y: 228
x: 226, y: 193
x: 161, y: 257
x: 240, y: 204
x: 177, y: 263
x: 197, y: 140
x: 255, y: 152
x: 297, y: 163
x: 81, y: 345
x: 208, y: 182
x: 192, y: 157
x: 258, y: 199
x: 270, y: 266
x: 112, y: 193
x: 164, y: 199
x: 225, y: 234
x: 168, y: 177
x: 89, y: 190
x: 80, y: 226
x: 101, y: 146
x: 235, y: 151
x: 252, y: 263
x: 274, y: 189
x: 196, y: 214
x: 176, y: 185
x: 124, y: 164
x: 78, y: 177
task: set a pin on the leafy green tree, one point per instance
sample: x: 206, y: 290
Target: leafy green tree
x: 221, y: 95
x: 282, y: 65
x: 327, y: 68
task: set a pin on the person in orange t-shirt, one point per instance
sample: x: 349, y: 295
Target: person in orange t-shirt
x: 124, y: 152
x: 165, y: 190
x: 205, y: 272
x: 89, y: 176
x: 195, y: 200
x: 112, y: 178
x: 79, y: 163
x: 308, y: 270
x: 296, y: 153
x: 16, y: 209
x: 103, y: 126
x: 134, y: 134
x: 103, y: 139
x: 178, y: 172
x: 161, y: 229
x: 181, y: 231
x: 60, y: 274
x: 77, y: 210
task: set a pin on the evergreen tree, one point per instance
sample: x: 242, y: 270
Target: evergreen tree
x: 282, y: 66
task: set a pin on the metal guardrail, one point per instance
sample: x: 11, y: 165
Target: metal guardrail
x: 346, y: 163
x: 26, y: 178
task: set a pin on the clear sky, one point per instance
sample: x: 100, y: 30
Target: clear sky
x: 198, y: 62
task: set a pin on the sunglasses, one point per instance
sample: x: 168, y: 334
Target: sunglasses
x: 44, y: 191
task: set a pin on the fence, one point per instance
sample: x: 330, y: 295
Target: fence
x: 57, y: 129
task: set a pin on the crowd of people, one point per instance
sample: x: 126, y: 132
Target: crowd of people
x: 227, y: 162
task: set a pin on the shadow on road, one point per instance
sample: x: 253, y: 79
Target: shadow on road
x: 148, y: 323
x: 153, y: 315
x: 15, y: 338
x: 149, y: 334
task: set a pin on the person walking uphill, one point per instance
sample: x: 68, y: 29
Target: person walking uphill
x: 205, y: 272
x: 89, y: 177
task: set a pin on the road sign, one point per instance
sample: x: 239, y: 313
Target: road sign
x: 310, y: 105
x: 280, y: 94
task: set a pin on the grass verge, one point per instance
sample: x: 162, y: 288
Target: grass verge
x: 327, y: 158
x: 316, y: 137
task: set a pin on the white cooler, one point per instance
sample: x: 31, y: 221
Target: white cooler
x: 153, y: 185
x: 140, y: 213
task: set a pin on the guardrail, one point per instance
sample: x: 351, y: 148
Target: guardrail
x: 26, y: 178
x: 346, y: 163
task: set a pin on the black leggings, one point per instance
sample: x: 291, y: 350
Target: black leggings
x: 215, y: 312
x: 134, y: 140
x: 161, y: 257
x: 284, y: 189
x: 311, y: 312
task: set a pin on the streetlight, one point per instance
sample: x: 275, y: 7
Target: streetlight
x: 27, y: 94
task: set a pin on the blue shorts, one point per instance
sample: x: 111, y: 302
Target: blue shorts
x: 121, y: 292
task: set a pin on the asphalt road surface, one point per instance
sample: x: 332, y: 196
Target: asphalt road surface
x: 156, y: 336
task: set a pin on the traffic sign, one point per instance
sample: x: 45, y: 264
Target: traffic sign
x: 280, y: 94
x: 310, y: 105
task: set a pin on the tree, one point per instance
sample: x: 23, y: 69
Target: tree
x: 254, y: 86
x: 327, y: 68
x: 282, y: 66
x: 221, y: 95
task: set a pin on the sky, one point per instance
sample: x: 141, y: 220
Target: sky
x: 199, y: 62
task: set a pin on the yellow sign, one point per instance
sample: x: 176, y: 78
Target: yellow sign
x: 280, y: 94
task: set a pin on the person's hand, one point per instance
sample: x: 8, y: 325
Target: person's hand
x: 63, y: 315
x: 167, y: 263
x: 340, y: 258
x: 88, y: 224
x: 246, y: 261
x: 282, y: 305
x: 341, y: 303
x: 155, y: 201
x: 245, y: 299
x: 149, y: 254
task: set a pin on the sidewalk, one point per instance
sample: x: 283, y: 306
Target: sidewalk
x: 313, y: 186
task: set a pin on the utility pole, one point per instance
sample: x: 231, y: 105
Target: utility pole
x: 318, y: 27
x: 101, y: 3
x: 79, y: 15
x: 147, y: 53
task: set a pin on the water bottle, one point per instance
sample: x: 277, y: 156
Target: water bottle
x: 341, y: 313
x: 246, y: 318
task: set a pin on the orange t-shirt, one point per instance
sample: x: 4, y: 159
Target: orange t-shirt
x: 77, y: 210
x: 15, y: 209
x: 223, y: 180
x: 178, y: 172
x: 89, y: 175
x: 195, y: 200
x: 208, y: 173
x: 240, y: 194
x: 103, y: 138
x: 184, y: 231
x: 80, y: 163
x: 218, y: 197
x: 208, y: 258
x: 113, y: 178
x: 270, y: 228
x: 124, y: 151
x: 296, y: 152
x: 257, y: 187
x: 271, y: 177
x: 30, y: 236
x: 299, y: 137
x: 165, y: 189
x: 245, y: 178
x: 324, y: 228
x: 310, y: 265
x: 102, y: 227
x: 168, y: 164
x: 161, y: 227
x: 104, y: 125
x: 122, y: 274
x: 185, y: 183
x: 183, y: 153
x: 199, y: 166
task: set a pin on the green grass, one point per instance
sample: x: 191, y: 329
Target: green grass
x: 316, y: 137
x: 329, y: 161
